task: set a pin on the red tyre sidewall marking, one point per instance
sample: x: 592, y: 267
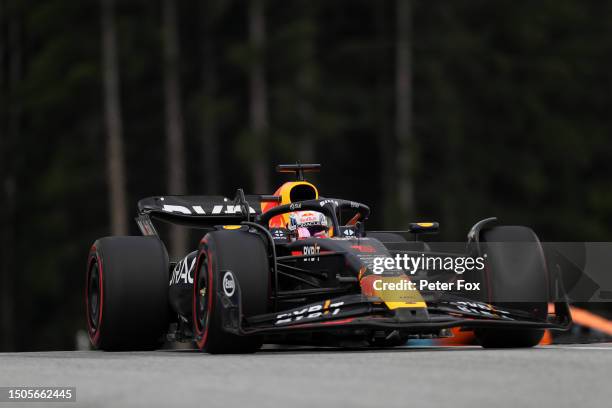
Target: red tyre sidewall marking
x: 203, y: 335
x: 94, y: 334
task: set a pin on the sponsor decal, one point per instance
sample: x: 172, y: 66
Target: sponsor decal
x: 230, y: 209
x: 364, y: 248
x: 482, y: 309
x: 198, y: 210
x: 176, y: 209
x: 278, y: 234
x: 349, y: 232
x: 321, y: 310
x: 183, y: 271
x: 333, y: 202
x: 229, y: 284
x: 311, y: 250
x: 295, y: 206
x: 310, y: 224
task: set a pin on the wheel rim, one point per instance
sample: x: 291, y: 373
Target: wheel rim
x: 93, y: 296
x: 202, y: 296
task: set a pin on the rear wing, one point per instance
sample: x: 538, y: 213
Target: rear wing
x: 199, y: 211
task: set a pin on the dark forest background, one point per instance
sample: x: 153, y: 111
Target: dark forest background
x: 447, y: 110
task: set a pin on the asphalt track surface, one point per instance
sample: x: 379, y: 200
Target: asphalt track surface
x: 551, y: 376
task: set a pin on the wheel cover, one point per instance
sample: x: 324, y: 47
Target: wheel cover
x: 202, y: 294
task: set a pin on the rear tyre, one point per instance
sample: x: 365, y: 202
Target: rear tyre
x: 244, y: 255
x: 517, y: 279
x: 126, y: 293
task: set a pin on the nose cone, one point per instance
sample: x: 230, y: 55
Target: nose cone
x: 395, y: 291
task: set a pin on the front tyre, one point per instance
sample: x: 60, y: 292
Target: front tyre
x: 517, y: 278
x: 508, y: 338
x: 126, y: 293
x: 244, y: 256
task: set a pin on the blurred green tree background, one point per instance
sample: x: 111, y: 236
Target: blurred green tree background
x: 509, y: 114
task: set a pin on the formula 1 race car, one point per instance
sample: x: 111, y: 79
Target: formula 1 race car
x: 298, y: 268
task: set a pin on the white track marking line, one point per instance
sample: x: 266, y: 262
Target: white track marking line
x: 576, y: 347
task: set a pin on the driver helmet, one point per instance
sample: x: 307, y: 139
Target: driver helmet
x: 305, y: 224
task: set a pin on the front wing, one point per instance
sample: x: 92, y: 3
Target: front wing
x: 361, y: 312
